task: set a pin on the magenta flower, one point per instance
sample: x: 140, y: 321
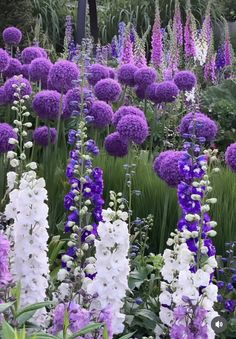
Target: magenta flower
x: 157, y: 41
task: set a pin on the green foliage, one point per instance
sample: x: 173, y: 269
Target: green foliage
x: 219, y: 102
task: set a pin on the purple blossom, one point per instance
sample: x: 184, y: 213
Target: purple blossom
x: 140, y: 91
x: 133, y: 128
x: 108, y: 90
x: 102, y: 114
x: 12, y: 36
x: 14, y: 68
x: 114, y: 52
x: 210, y: 69
x: 230, y: 305
x: 220, y: 58
x: 230, y: 157
x: 126, y: 74
x: 44, y: 136
x: 177, y: 24
x: 157, y: 41
x: 127, y: 53
x: 47, y: 104
x: 30, y: 53
x: 62, y: 74
x: 25, y: 71
x: 145, y: 76
x: 4, y: 60
x: 97, y: 72
x: 164, y: 92
x: 126, y: 110
x: 185, y: 80
x: 23, y: 83
x: 39, y: 69
x: 190, y: 48
x: 2, y: 96
x: 115, y: 145
x: 121, y: 31
x: 72, y: 101
x: 5, y: 275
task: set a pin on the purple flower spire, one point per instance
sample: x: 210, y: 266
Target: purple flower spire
x: 190, y: 48
x: 228, y: 50
x: 207, y: 28
x: 127, y: 53
x: 139, y: 53
x: 210, y: 69
x: 114, y: 53
x: 157, y: 40
x: 121, y: 35
x: 5, y: 275
x: 177, y: 24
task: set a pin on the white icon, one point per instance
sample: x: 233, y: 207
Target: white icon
x: 219, y: 324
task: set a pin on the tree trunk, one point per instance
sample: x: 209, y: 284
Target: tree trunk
x: 93, y: 20
x: 81, y: 20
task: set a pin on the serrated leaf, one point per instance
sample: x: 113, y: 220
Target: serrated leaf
x: 4, y: 307
x: 87, y: 329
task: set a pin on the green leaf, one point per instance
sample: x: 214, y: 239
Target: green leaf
x: 147, y: 314
x: 34, y: 307
x: 4, y: 307
x: 43, y: 336
x: 7, y: 331
x: 127, y: 336
x: 22, y: 318
x: 87, y: 329
x: 105, y: 333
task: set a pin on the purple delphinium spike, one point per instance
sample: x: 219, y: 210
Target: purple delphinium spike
x: 210, y: 69
x: 177, y: 24
x: 121, y: 35
x: 114, y: 53
x: 157, y: 40
x: 189, y: 47
x: 127, y: 53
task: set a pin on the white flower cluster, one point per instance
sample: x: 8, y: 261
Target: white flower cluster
x: 30, y: 263
x: 180, y: 282
x: 112, y: 265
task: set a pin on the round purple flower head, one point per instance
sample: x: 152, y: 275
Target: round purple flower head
x: 41, y: 137
x: 125, y: 110
x: 198, y: 124
x: 43, y: 52
x: 115, y: 145
x: 96, y: 73
x: 19, y: 81
x: 152, y: 92
x: 30, y: 53
x: 6, y: 132
x: 47, y: 104
x: 112, y: 73
x: 62, y: 75
x: 126, y: 74
x: 166, y: 166
x: 39, y: 69
x: 102, y: 114
x: 12, y: 36
x: 164, y: 92
x: 185, y: 80
x: 230, y: 156
x: 25, y: 70
x: 140, y: 92
x: 14, y: 68
x: 145, y: 76
x: 133, y: 128
x: 108, y: 90
x: 4, y: 60
x: 2, y: 96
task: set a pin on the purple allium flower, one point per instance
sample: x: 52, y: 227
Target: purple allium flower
x: 108, y: 90
x: 133, y: 128
x: 115, y: 145
x: 166, y: 166
x: 102, y: 114
x: 12, y: 36
x: 30, y: 53
x: 39, y: 69
x: 190, y: 48
x: 198, y: 124
x: 2, y: 96
x: 126, y: 110
x: 62, y: 74
x: 26, y: 88
x: 145, y: 76
x: 140, y: 92
x: 185, y: 80
x: 14, y: 68
x: 230, y: 156
x: 5, y: 275
x: 164, y: 92
x: 112, y: 73
x: 152, y: 92
x: 96, y: 73
x: 177, y: 24
x: 43, y: 52
x: 126, y: 74
x: 127, y: 53
x: 6, y: 132
x: 157, y: 41
x: 42, y: 137
x: 47, y: 104
x: 25, y: 70
x: 4, y: 60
